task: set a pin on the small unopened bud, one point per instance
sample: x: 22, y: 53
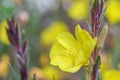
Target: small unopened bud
x: 102, y: 37
x: 13, y: 33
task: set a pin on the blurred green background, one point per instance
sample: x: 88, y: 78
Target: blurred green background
x: 41, y: 20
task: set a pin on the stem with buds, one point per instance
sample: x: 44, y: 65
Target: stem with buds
x: 14, y: 38
x: 96, y: 13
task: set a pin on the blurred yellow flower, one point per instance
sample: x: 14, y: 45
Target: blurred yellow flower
x: 79, y: 9
x: 4, y: 68
x: 44, y: 59
x: 111, y: 75
x: 45, y: 73
x: 48, y: 35
x: 3, y: 34
x: 106, y: 69
x: 39, y: 73
x: 51, y: 72
x: 69, y: 53
x: 106, y: 59
x: 113, y: 11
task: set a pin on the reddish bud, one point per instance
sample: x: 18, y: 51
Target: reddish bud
x: 13, y: 33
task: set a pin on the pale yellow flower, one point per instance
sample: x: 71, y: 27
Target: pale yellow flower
x: 71, y: 53
x: 39, y: 73
x: 79, y: 9
x: 4, y: 68
x: 44, y: 59
x: 45, y: 73
x: 3, y: 34
x: 51, y: 72
x: 111, y: 75
x: 106, y: 59
x: 106, y: 69
x: 113, y: 11
x: 49, y: 34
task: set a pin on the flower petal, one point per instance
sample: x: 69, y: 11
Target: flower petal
x: 85, y: 40
x: 62, y: 57
x: 82, y: 35
x: 67, y: 40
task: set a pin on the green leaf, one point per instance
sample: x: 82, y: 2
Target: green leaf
x: 99, y: 77
x: 95, y: 3
x: 15, y: 74
x: 6, y: 12
x: 96, y: 67
x: 97, y: 64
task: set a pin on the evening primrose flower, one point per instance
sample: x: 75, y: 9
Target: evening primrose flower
x: 4, y: 68
x: 3, y: 34
x: 79, y: 9
x: 39, y: 73
x: 49, y: 34
x: 106, y: 59
x: 111, y: 75
x: 46, y: 73
x: 51, y: 72
x: 44, y: 59
x: 70, y: 53
x: 113, y: 11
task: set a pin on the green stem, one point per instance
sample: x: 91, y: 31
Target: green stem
x: 88, y: 73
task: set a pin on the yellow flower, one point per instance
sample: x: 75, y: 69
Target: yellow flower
x: 111, y: 75
x: 51, y: 72
x: 4, y: 68
x: 39, y: 73
x: 44, y: 59
x: 113, y: 11
x: 3, y: 34
x: 48, y: 35
x: 69, y: 53
x: 106, y: 59
x: 79, y: 9
x: 46, y: 73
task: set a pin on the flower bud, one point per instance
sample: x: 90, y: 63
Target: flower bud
x: 102, y: 36
x: 13, y: 33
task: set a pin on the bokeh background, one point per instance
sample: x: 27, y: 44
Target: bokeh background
x: 40, y: 22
